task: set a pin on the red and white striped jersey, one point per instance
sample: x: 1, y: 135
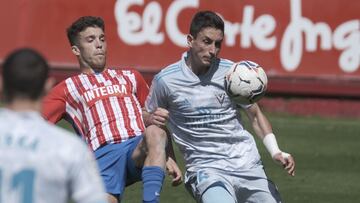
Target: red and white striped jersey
x: 103, y: 108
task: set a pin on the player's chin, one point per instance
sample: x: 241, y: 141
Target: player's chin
x: 206, y: 62
x: 100, y: 61
x: 99, y: 66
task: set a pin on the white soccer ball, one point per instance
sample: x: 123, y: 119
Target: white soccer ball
x: 246, y: 82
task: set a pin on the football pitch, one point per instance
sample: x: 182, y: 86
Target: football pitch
x: 327, y: 162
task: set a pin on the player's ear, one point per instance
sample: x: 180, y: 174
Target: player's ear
x: 49, y: 83
x: 189, y: 39
x: 75, y: 50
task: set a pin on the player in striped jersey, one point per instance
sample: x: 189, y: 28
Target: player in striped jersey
x: 105, y: 107
x: 222, y: 160
x: 40, y: 162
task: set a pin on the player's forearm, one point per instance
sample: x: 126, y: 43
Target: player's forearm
x: 263, y: 129
x: 271, y: 144
x: 169, y: 147
x: 266, y: 135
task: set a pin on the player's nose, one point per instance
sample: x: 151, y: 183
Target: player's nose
x: 99, y: 43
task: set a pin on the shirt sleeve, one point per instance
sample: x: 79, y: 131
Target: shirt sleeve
x: 86, y: 185
x: 157, y: 95
x: 142, y: 88
x: 54, y: 103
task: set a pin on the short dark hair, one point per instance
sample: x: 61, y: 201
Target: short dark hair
x: 205, y: 19
x: 24, y: 74
x: 81, y: 24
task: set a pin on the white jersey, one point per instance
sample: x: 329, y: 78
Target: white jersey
x: 41, y: 163
x: 203, y: 120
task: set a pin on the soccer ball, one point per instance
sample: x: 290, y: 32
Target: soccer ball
x: 245, y: 82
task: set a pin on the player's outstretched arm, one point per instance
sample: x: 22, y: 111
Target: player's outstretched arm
x: 171, y: 164
x: 263, y: 130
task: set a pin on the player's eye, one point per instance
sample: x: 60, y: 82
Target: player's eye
x: 89, y: 39
x: 207, y: 41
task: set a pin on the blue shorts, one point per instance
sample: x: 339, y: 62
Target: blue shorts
x: 116, y: 167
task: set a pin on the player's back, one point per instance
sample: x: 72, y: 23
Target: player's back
x: 40, y: 162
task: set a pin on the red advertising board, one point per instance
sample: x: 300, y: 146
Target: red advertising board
x: 292, y: 39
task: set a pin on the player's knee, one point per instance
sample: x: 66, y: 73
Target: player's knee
x: 217, y: 193
x: 155, y: 137
x: 112, y: 198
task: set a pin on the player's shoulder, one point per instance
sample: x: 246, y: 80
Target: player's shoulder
x: 61, y: 88
x: 60, y: 85
x: 70, y: 81
x: 225, y: 63
x: 64, y: 146
x: 59, y: 134
x: 169, y: 71
x: 51, y: 135
x: 6, y: 117
x: 63, y: 140
x: 72, y: 78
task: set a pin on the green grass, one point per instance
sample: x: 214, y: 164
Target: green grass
x: 327, y: 162
x: 327, y: 159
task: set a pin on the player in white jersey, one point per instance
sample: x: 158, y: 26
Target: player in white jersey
x: 39, y: 162
x: 222, y: 160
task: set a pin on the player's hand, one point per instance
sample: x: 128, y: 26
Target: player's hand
x: 174, y: 171
x: 287, y: 161
x: 159, y: 117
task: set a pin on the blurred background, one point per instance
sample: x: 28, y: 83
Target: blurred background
x: 310, y: 50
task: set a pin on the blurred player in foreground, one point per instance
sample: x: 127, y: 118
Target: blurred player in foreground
x: 104, y: 106
x: 222, y: 160
x: 39, y: 162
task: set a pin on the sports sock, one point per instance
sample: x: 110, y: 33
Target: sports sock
x: 152, y: 177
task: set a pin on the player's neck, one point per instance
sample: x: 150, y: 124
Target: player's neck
x: 88, y: 70
x: 22, y: 105
x: 196, y: 69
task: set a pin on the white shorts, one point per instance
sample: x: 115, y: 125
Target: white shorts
x: 245, y: 186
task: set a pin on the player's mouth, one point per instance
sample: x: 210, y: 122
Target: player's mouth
x: 208, y: 59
